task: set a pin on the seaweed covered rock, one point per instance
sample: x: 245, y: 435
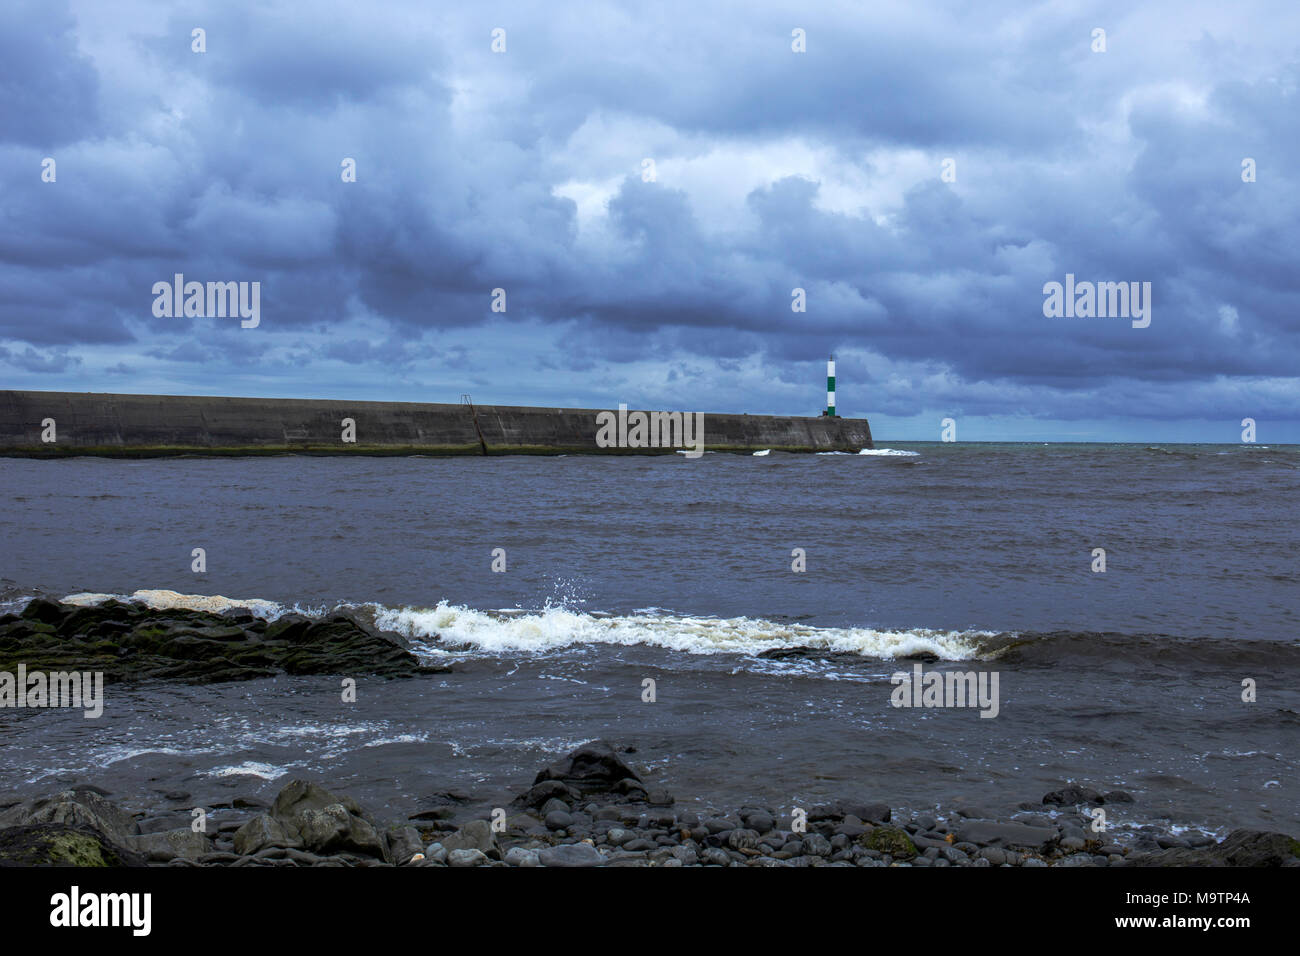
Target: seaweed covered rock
x: 890, y: 840
x: 62, y: 844
x: 132, y: 640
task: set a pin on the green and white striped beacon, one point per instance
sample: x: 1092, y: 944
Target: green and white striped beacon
x: 830, y: 387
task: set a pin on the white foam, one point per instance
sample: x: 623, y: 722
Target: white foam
x: 399, y: 739
x: 460, y: 629
x: 249, y: 768
x: 16, y: 604
x: 889, y: 451
x: 162, y: 600
x: 554, y: 628
x: 764, y: 452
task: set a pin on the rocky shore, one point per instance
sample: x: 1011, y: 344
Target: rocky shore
x: 128, y: 641
x: 591, y: 808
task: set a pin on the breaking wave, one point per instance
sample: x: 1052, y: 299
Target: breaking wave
x: 455, y: 629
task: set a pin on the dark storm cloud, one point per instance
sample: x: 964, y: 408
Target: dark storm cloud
x: 47, y: 88
x: 1121, y: 166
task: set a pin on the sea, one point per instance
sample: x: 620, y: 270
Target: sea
x: 741, y: 623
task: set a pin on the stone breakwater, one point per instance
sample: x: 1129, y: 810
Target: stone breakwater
x: 126, y: 641
x: 61, y: 424
x: 590, y: 809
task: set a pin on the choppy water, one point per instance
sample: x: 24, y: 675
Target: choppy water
x: 621, y: 569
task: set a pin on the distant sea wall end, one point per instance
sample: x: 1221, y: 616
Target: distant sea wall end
x: 62, y: 424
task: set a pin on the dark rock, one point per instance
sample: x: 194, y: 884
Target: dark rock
x: 1037, y: 819
x: 46, y: 612
x: 988, y: 833
x: 475, y: 835
x: 62, y: 844
x: 182, y: 843
x: 324, y: 822
x: 814, y: 844
x: 261, y: 832
x: 1240, y: 848
x: 829, y: 811
x: 633, y: 789
x: 334, y: 829
x: 570, y: 855
x: 1072, y: 795
x: 869, y: 812
x: 303, y: 857
x: 75, y: 808
x: 593, y: 768
x: 131, y: 641
x: 288, y: 627
x: 890, y: 840
x: 742, y: 839
x: 466, y: 858
x: 173, y: 821
x: 546, y: 790
x: 617, y: 836
x: 925, y: 842
x: 218, y: 858
x: 401, y: 844
x: 558, y: 820
x: 447, y: 798
x: 299, y: 795
x: 437, y: 813
x: 994, y: 855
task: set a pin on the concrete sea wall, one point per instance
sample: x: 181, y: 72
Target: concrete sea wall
x: 86, y: 423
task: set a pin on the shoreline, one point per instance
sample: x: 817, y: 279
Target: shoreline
x: 592, y: 808
x: 590, y: 802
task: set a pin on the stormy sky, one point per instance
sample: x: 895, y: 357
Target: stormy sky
x: 665, y: 285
